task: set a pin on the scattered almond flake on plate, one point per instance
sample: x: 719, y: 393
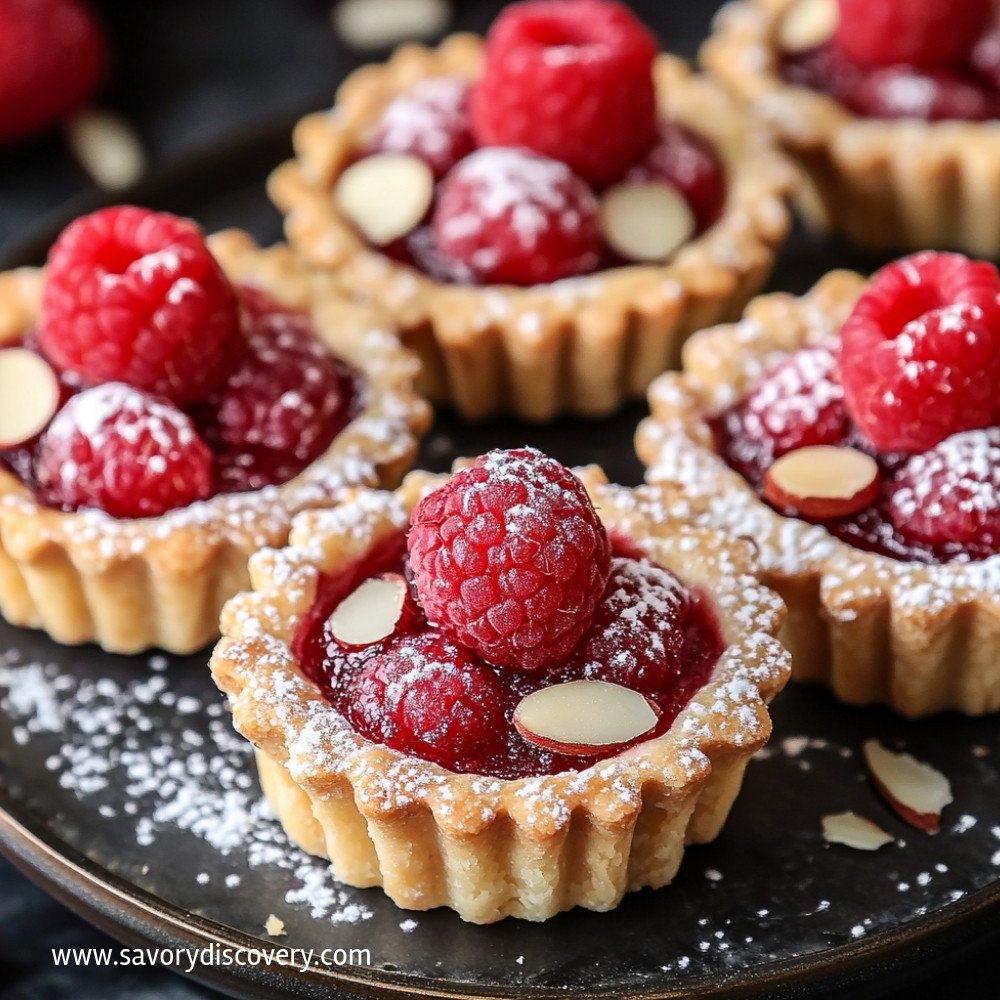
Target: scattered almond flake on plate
x: 275, y: 926
x: 380, y: 24
x: 916, y: 791
x: 852, y: 830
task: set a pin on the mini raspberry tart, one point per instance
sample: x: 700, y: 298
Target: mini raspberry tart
x: 479, y: 692
x: 167, y: 404
x: 852, y: 433
x: 891, y: 109
x: 547, y: 213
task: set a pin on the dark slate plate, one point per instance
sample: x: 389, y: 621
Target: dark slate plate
x: 124, y: 792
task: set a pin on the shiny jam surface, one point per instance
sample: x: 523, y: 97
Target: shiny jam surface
x: 236, y: 470
x: 333, y: 669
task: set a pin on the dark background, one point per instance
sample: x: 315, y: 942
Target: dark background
x: 190, y: 75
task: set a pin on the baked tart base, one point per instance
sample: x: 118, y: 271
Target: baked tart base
x: 581, y: 345
x: 486, y: 847
x: 918, y: 638
x: 131, y: 585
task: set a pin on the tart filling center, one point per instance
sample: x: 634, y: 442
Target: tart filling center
x: 506, y: 633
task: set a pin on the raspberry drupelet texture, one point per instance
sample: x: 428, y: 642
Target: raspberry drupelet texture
x: 135, y: 296
x: 923, y: 33
x: 510, y: 559
x: 124, y: 452
x: 570, y: 79
x: 430, y: 121
x: 52, y: 56
x: 425, y: 695
x: 637, y: 637
x: 951, y: 494
x: 797, y: 404
x: 511, y: 216
x: 920, y: 353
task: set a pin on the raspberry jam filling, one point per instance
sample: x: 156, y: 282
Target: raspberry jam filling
x: 930, y: 60
x: 459, y: 708
x: 491, y: 185
x: 152, y: 383
x: 902, y: 408
x: 507, y: 585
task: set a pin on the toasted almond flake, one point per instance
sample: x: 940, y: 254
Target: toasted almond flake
x: 646, y: 220
x: 386, y: 195
x: 29, y: 395
x: 807, y: 24
x: 275, y: 926
x: 107, y: 147
x: 914, y: 790
x: 852, y: 830
x: 823, y: 480
x: 584, y: 717
x: 370, y: 613
x: 381, y: 24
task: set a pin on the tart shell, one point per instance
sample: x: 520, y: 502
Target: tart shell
x: 918, y: 638
x: 131, y: 585
x: 884, y: 184
x: 486, y: 847
x: 583, y: 345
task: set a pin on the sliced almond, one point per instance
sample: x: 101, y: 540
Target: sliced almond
x: 808, y: 24
x: 584, y: 717
x: 852, y: 830
x: 646, y: 220
x: 385, y: 195
x: 107, y: 147
x: 823, y: 481
x: 915, y: 790
x: 29, y: 396
x: 371, y: 613
x: 381, y: 24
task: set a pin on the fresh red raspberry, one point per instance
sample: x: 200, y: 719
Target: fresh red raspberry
x: 797, y: 404
x: 508, y: 216
x: 283, y: 403
x: 427, y: 696
x: 124, y: 452
x: 510, y: 558
x: 570, y: 79
x: 925, y: 95
x: 824, y: 68
x: 430, y: 121
x: 135, y: 296
x: 985, y: 58
x: 687, y: 162
x: 923, y: 33
x: 920, y: 353
x: 637, y: 638
x: 951, y: 494
x: 52, y: 57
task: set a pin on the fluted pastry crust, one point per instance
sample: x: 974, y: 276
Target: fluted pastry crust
x: 919, y: 638
x: 582, y: 345
x: 130, y: 585
x: 486, y: 847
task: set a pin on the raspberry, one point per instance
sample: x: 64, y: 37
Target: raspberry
x: 510, y: 558
x: 431, y: 121
x: 924, y: 33
x: 570, y: 79
x: 123, y: 452
x: 424, y: 695
x: 281, y: 406
x: 824, y: 68
x: 637, y: 638
x: 510, y: 216
x: 52, y: 57
x: 797, y: 404
x: 135, y: 296
x: 926, y: 95
x: 920, y: 353
x: 687, y: 162
x: 985, y: 58
x: 951, y: 494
